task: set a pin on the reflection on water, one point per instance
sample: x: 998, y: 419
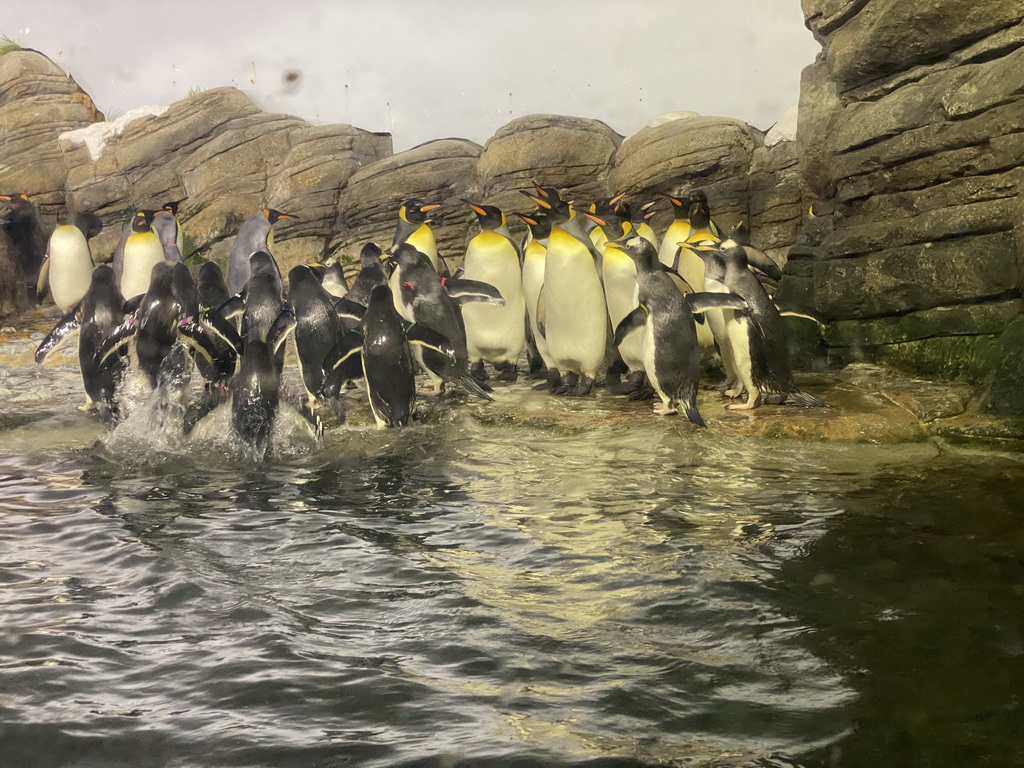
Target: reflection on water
x: 473, y: 593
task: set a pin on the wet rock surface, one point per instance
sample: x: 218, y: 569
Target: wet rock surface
x: 867, y: 403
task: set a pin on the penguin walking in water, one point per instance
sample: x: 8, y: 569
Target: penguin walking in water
x: 212, y: 288
x: 494, y: 333
x: 255, y: 234
x: 68, y: 268
x: 260, y: 303
x: 29, y: 235
x: 317, y: 331
x: 670, y: 353
x: 438, y: 308
x: 142, y: 251
x: 218, y: 353
x: 573, y: 313
x: 757, y: 334
x: 535, y: 249
x: 380, y: 352
x: 96, y: 317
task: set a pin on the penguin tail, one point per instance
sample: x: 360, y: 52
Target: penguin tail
x: 690, y: 409
x: 805, y: 400
x: 476, y: 387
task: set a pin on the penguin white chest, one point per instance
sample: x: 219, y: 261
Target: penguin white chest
x: 70, y: 266
x: 495, y: 333
x: 142, y: 252
x: 577, y: 320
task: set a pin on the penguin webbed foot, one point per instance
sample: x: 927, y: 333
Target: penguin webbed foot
x: 584, y: 386
x: 661, y: 408
x: 478, y: 372
x: 564, y: 383
x: 506, y: 371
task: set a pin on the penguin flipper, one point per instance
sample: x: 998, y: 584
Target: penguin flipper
x: 118, y: 340
x: 465, y: 291
x: 678, y: 279
x: 787, y: 310
x: 429, y: 339
x: 64, y: 328
x: 542, y: 314
x: 233, y: 307
x: 635, y: 319
x: 345, y: 360
x: 132, y: 304
x: 347, y: 309
x: 760, y: 261
x: 215, y: 321
x: 199, y: 338
x: 699, y: 302
x: 282, y: 326
x: 43, y: 283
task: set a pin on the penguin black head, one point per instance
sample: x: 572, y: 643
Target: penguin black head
x: 381, y: 295
x: 143, y: 220
x: 172, y: 207
x: 641, y: 250
x: 697, y: 195
x: 740, y: 234
x: 408, y: 255
x: 370, y: 254
x: 713, y: 258
x: 65, y: 217
x: 488, y: 216
x: 303, y: 276
x: 17, y: 201
x: 538, y: 223
x: 415, y: 210
x: 274, y: 216
x: 185, y: 289
x: 262, y: 262
x: 699, y: 215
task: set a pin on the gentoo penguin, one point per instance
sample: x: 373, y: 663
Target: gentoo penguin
x: 255, y: 234
x: 756, y: 259
x: 216, y: 352
x: 379, y: 352
x: 260, y: 302
x: 495, y: 334
x: 433, y: 305
x: 534, y: 256
x: 758, y: 336
x: 573, y: 313
x: 142, y: 251
x: 68, y: 267
x: 256, y: 391
x: 168, y: 229
x: 670, y: 354
x: 317, y: 327
x: 96, y: 317
x: 29, y: 235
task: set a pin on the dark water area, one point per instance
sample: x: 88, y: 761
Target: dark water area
x: 476, y: 593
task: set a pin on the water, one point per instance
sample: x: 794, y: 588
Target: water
x: 579, y: 584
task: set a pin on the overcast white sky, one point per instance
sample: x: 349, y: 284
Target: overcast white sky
x: 428, y: 69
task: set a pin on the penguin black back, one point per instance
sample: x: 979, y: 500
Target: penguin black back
x: 371, y: 274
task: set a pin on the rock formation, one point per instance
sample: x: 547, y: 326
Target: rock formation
x: 908, y: 145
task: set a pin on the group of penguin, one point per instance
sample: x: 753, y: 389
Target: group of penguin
x: 588, y: 294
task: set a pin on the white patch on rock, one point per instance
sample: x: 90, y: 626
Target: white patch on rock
x: 784, y: 130
x: 668, y: 117
x: 95, y: 136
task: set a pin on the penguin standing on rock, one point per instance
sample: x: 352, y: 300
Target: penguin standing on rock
x: 495, y: 334
x: 255, y: 234
x: 670, y: 353
x: 68, y: 267
x: 29, y: 235
x: 758, y: 336
x: 142, y: 251
x: 96, y: 317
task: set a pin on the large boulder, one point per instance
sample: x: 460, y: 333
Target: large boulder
x: 442, y: 171
x: 573, y: 154
x: 227, y: 159
x: 670, y: 158
x: 38, y: 101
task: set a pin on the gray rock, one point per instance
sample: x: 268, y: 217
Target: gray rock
x: 38, y: 101
x: 927, y: 400
x: 437, y: 172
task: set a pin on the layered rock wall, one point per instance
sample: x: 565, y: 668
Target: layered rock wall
x: 912, y: 132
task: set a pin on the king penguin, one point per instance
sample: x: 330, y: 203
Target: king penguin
x: 29, y: 235
x: 495, y: 334
x: 413, y: 227
x: 255, y: 234
x: 535, y: 252
x: 168, y: 229
x: 68, y: 268
x: 574, y: 314
x: 142, y: 251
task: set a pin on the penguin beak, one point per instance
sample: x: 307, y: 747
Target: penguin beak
x: 675, y: 201
x: 430, y: 207
x: 476, y: 209
x: 615, y: 200
x: 596, y: 219
x: 540, y: 202
x: 615, y: 244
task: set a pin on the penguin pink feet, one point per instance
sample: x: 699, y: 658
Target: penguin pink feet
x: 664, y: 409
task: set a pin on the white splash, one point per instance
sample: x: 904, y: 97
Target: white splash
x: 95, y: 136
x: 784, y: 129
